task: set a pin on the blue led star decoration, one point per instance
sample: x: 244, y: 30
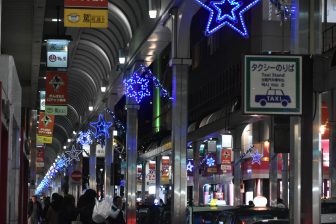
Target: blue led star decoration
x: 227, y: 13
x: 101, y: 127
x: 84, y: 138
x: 190, y: 166
x: 137, y: 87
x: 256, y: 157
x: 210, y: 161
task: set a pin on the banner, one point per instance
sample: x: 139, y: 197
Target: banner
x: 39, y: 159
x: 42, y: 100
x: 226, y: 156
x: 56, y: 93
x: 86, y: 3
x: 57, y: 53
x: 45, y: 128
x: 88, y: 18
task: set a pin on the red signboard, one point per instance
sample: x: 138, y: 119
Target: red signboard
x: 152, y: 165
x: 46, y: 124
x: 76, y: 175
x: 226, y: 156
x: 86, y: 3
x: 39, y: 159
x: 56, y: 88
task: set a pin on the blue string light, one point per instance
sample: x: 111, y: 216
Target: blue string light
x: 234, y: 19
x: 73, y: 154
x: 137, y: 86
x: 256, y: 157
x: 119, y: 125
x: 85, y: 138
x: 101, y: 129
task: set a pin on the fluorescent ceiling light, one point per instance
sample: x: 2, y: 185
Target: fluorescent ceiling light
x: 103, y: 89
x: 90, y: 108
x: 152, y: 14
x: 122, y: 60
x: 55, y: 20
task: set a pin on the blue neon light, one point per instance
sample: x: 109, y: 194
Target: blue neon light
x: 210, y: 161
x: 101, y: 127
x: 256, y: 157
x: 84, y: 138
x: 234, y: 19
x: 190, y: 166
x: 137, y: 86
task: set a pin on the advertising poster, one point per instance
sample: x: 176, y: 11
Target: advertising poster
x: 45, y: 128
x: 56, y: 93
x: 165, y: 170
x: 226, y: 156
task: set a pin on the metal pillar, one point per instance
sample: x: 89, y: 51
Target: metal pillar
x: 143, y: 181
x: 157, y: 176
x: 305, y: 180
x: 92, y: 167
x: 236, y: 137
x: 108, y: 188
x: 285, y: 178
x: 196, y: 188
x: 332, y: 143
x: 273, y: 167
x: 180, y: 69
x: 33, y: 131
x: 131, y: 150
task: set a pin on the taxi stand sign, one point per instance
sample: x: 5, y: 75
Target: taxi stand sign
x: 273, y: 84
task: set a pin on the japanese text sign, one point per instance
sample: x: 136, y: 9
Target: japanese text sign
x: 45, y: 128
x: 89, y: 18
x: 56, y: 93
x: 272, y: 84
x: 57, y: 53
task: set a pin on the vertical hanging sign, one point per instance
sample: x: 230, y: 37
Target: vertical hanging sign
x: 165, y: 170
x: 56, y: 93
x: 45, y: 128
x: 226, y: 157
x: 39, y: 159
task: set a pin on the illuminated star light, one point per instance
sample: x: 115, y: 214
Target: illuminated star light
x: 190, y: 166
x: 234, y: 20
x: 256, y: 157
x: 137, y: 87
x: 102, y: 127
x: 73, y: 154
x: 84, y: 138
x: 210, y: 161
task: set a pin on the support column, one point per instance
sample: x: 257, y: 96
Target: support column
x: 196, y: 188
x: 157, y: 176
x: 332, y: 143
x: 237, y: 177
x: 92, y: 167
x: 273, y: 166
x: 33, y: 131
x: 131, y: 150
x: 285, y: 178
x: 143, y: 181
x: 180, y: 69
x: 108, y: 165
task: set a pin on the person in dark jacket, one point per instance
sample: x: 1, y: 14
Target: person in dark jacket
x: 54, y: 209
x: 46, y: 202
x: 34, y: 211
x: 85, y: 206
x: 116, y: 216
x: 68, y: 212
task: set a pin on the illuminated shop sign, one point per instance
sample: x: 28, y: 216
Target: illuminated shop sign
x: 57, y: 53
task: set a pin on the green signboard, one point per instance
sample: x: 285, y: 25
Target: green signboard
x: 272, y: 84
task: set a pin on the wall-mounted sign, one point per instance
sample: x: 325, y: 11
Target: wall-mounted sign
x: 57, y: 53
x: 39, y: 159
x: 226, y: 158
x: 86, y: 3
x: 56, y: 93
x: 272, y: 84
x: 45, y: 128
x: 42, y: 100
x: 89, y: 18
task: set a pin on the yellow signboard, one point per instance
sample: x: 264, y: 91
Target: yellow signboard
x: 44, y: 139
x: 89, y: 18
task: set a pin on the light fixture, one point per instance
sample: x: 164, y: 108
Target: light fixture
x: 152, y: 9
x: 122, y: 57
x: 74, y: 132
x: 64, y: 147
x: 115, y: 133
x: 103, y: 86
x: 90, y: 106
x: 56, y: 20
x: 69, y: 139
